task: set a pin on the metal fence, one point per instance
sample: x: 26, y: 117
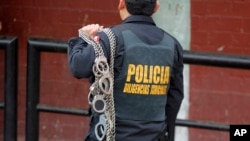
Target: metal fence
x: 36, y: 46
x: 9, y: 105
x: 33, y: 105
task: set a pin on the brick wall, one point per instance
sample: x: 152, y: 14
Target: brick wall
x: 57, y: 20
x: 216, y: 94
x: 219, y: 94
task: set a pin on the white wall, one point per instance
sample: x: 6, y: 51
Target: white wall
x: 174, y: 17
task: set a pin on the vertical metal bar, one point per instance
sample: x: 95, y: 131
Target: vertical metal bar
x: 33, y: 76
x: 10, y: 107
x: 10, y: 88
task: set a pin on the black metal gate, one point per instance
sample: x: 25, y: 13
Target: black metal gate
x: 36, y: 46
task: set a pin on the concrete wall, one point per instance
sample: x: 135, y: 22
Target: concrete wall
x: 174, y: 17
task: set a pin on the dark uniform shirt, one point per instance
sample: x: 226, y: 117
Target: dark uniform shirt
x: 81, y: 57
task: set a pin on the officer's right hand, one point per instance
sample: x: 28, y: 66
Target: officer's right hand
x: 91, y: 29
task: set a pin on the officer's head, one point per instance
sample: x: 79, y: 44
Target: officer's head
x: 139, y: 7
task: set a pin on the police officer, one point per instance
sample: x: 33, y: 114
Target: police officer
x: 148, y: 73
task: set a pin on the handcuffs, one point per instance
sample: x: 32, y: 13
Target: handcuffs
x: 100, y: 95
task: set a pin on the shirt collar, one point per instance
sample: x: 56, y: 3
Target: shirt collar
x: 139, y: 19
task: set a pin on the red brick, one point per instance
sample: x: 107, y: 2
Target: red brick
x: 209, y: 102
x: 239, y: 101
x: 66, y: 94
x: 220, y: 39
x: 12, y: 14
x: 207, y: 135
x: 199, y: 8
x: 236, y: 50
x: 31, y: 14
x: 43, y: 3
x: 219, y: 8
x: 71, y: 16
x: 220, y: 24
x: 222, y: 92
x: 16, y: 2
x: 1, y: 14
x: 241, y: 8
x: 62, y: 4
x: 198, y: 24
x: 246, y: 27
x: 240, y: 39
x: 21, y: 125
x: 200, y: 37
x: 62, y: 127
x: 81, y: 5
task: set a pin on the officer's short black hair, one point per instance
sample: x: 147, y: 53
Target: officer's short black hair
x: 140, y: 7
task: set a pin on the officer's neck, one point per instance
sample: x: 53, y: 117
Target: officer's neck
x: 124, y: 13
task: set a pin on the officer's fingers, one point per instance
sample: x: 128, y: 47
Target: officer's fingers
x: 96, y: 28
x: 91, y: 29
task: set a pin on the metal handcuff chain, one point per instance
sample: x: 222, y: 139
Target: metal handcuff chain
x: 101, y: 91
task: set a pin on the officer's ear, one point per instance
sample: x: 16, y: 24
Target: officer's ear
x: 157, y: 5
x: 121, y: 4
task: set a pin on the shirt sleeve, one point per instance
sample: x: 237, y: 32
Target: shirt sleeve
x: 80, y: 57
x: 175, y: 93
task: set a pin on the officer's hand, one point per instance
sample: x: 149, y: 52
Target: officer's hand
x: 91, y: 29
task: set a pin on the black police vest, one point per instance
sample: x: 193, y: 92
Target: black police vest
x: 140, y: 91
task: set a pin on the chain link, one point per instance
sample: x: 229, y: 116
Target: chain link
x: 110, y: 99
x: 102, y: 88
